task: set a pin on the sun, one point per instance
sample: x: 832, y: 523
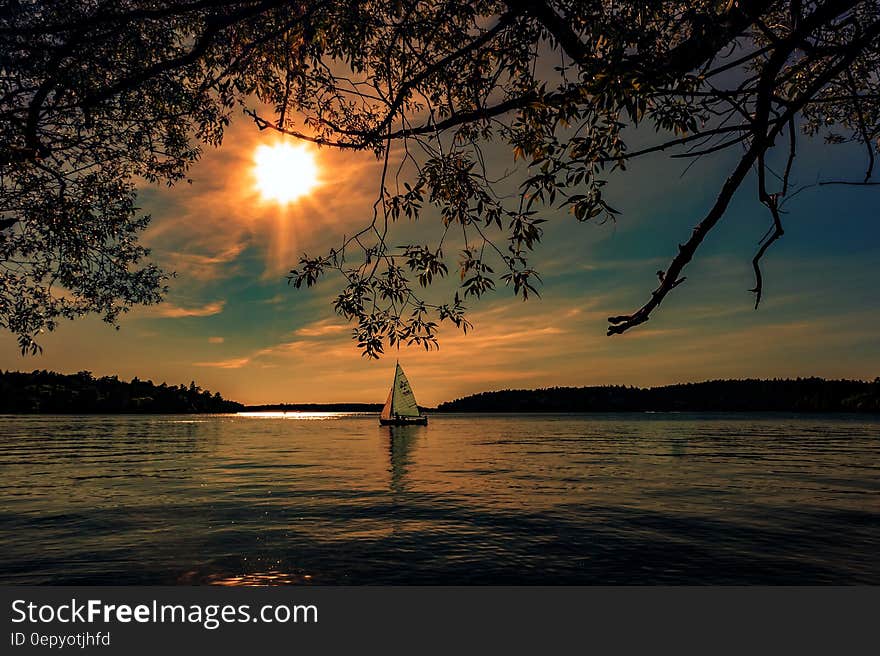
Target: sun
x: 285, y: 172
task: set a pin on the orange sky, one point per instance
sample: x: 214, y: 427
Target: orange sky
x: 231, y: 323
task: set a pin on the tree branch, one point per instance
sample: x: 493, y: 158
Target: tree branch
x: 761, y: 141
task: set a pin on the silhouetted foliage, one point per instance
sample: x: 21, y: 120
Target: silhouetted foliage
x: 94, y: 96
x: 50, y: 392
x: 799, y: 395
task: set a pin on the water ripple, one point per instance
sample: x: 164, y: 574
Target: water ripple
x: 263, y: 500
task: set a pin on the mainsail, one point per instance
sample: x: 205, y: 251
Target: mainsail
x: 401, y: 400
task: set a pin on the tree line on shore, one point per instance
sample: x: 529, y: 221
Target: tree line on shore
x: 50, y: 392
x: 789, y: 395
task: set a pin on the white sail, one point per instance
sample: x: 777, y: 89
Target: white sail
x: 386, y: 410
x: 401, y: 400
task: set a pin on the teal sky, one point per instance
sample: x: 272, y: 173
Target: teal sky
x: 232, y: 324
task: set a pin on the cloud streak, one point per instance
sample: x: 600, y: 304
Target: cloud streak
x: 201, y: 267
x: 171, y: 311
x: 321, y: 329
x: 232, y: 363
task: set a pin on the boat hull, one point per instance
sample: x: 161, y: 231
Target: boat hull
x: 404, y: 421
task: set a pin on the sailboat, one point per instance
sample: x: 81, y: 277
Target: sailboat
x: 401, y: 408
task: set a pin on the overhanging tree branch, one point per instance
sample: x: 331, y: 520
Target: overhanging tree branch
x: 759, y: 145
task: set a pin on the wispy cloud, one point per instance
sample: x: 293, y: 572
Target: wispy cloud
x: 277, y: 299
x: 216, y: 340
x: 321, y: 328
x: 232, y: 363
x: 643, y: 263
x: 171, y: 311
x: 199, y: 266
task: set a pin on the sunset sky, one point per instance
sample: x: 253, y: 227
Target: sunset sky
x: 232, y: 324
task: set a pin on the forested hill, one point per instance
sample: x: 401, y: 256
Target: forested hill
x: 799, y: 395
x: 49, y: 392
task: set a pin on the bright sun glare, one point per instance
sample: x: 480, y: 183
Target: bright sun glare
x: 285, y: 172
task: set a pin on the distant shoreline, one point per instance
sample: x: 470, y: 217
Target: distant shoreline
x: 801, y: 395
x: 44, y: 392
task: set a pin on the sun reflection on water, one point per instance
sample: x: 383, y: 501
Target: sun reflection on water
x: 251, y: 579
x: 299, y: 414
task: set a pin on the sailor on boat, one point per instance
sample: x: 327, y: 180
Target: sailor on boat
x: 401, y: 408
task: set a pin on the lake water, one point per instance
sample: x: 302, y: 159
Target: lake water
x: 335, y: 499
